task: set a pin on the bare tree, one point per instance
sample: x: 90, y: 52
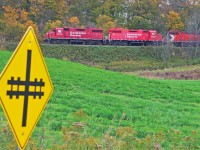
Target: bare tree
x: 193, y: 23
x: 193, y: 26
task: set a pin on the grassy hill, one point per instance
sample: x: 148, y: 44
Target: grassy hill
x: 95, y: 107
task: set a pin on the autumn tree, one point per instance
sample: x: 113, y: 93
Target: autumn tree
x: 182, y: 7
x: 74, y: 21
x: 144, y: 14
x: 10, y: 19
x: 86, y: 10
x: 139, y: 23
x: 105, y: 22
x: 160, y: 15
x: 41, y: 11
x: 52, y: 24
x: 115, y: 9
x: 174, y: 21
x: 15, y: 22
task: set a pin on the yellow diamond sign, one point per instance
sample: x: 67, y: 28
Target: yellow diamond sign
x: 25, y: 88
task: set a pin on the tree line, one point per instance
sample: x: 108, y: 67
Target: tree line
x: 160, y: 15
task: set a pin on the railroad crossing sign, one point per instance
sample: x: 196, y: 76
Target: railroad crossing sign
x: 25, y: 88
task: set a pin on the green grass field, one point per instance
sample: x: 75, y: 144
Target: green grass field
x: 105, y: 101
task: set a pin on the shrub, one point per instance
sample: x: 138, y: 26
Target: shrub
x: 149, y: 57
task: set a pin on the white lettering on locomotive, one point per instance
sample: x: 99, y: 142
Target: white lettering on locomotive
x: 77, y: 34
x: 133, y: 35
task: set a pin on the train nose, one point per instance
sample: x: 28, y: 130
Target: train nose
x: 170, y: 37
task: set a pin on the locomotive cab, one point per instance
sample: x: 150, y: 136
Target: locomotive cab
x: 154, y: 38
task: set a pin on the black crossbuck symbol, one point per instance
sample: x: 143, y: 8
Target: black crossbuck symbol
x: 26, y: 93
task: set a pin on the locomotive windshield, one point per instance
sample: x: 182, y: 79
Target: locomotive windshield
x: 80, y: 29
x: 116, y: 31
x: 132, y: 31
x: 97, y: 31
x: 66, y: 29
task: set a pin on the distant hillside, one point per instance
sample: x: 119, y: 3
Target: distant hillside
x: 98, y: 107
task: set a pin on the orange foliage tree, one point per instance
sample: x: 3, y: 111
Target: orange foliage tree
x: 74, y: 21
x: 174, y: 21
x: 16, y: 22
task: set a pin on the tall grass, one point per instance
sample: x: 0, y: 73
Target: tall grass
x: 101, y: 109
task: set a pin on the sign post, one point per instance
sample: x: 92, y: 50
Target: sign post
x: 25, y: 88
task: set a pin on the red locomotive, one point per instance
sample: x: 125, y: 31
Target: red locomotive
x: 183, y: 38
x: 91, y: 36
x: 120, y: 36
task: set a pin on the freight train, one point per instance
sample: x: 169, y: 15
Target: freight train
x: 119, y: 37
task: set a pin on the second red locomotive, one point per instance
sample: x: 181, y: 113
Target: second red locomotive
x: 120, y: 36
